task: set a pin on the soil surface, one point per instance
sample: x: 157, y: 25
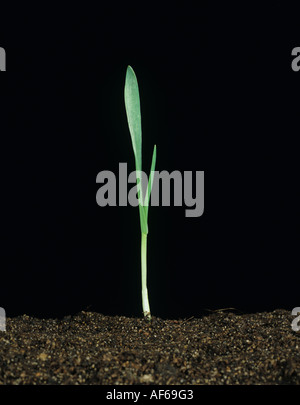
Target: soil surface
x: 90, y: 348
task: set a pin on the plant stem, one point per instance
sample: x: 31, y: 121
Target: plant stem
x: 145, y: 300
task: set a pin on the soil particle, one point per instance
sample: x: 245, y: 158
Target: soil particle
x: 90, y: 348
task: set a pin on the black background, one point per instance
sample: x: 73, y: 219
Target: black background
x: 217, y: 94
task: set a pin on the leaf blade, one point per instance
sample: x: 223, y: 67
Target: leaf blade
x: 133, y: 111
x: 150, y: 183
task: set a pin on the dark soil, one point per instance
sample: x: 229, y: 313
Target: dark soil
x: 90, y: 348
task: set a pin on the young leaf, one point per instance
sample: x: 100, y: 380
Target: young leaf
x: 150, y: 183
x: 133, y: 110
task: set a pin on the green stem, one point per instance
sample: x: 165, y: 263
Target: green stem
x: 145, y: 300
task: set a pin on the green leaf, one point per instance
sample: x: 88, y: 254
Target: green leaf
x: 150, y: 183
x: 133, y: 110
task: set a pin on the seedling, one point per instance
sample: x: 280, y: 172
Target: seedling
x: 133, y: 111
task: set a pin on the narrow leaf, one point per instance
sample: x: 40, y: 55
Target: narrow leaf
x: 133, y: 111
x: 150, y: 183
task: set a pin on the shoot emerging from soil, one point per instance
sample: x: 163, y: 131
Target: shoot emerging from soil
x: 133, y: 111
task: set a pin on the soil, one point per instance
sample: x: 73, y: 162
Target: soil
x: 90, y: 348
